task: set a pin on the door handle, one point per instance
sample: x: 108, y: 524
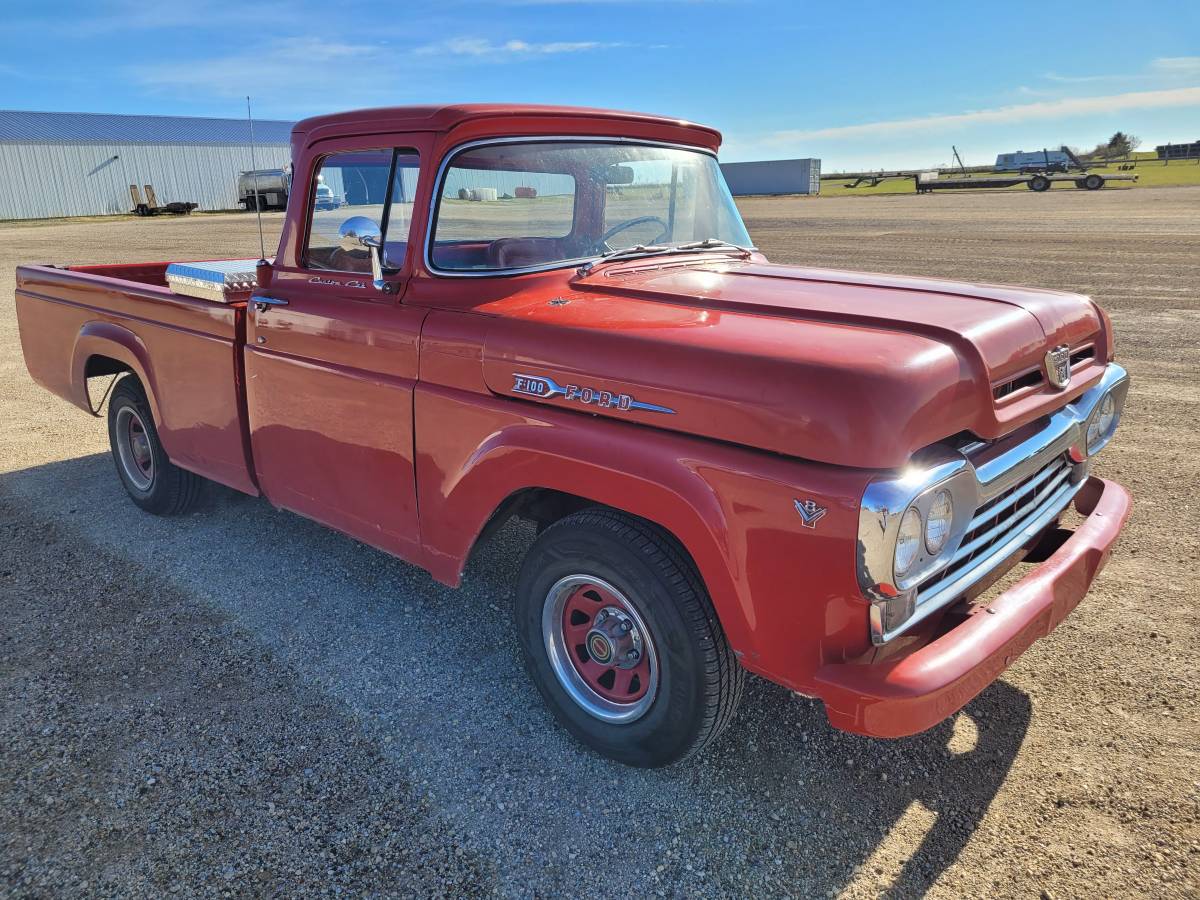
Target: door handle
x: 265, y: 303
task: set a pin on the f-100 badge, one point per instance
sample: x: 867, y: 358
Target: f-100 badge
x: 545, y: 388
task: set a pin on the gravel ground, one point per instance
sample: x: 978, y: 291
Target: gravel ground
x: 240, y: 701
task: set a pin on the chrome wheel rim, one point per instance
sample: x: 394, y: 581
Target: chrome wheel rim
x: 133, y: 448
x: 600, y: 649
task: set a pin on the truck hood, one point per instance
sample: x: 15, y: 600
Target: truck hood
x: 839, y: 367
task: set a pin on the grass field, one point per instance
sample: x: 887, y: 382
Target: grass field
x: 1151, y: 172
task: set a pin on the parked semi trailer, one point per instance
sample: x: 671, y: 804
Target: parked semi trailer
x: 813, y: 475
x: 273, y: 187
x: 268, y: 186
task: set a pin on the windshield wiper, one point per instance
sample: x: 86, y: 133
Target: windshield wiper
x: 714, y: 244
x: 663, y: 250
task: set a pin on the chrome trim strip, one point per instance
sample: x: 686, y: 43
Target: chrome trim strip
x: 975, y: 475
x: 454, y: 151
x: 1003, y: 467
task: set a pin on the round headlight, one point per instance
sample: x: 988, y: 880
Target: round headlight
x: 938, y: 522
x: 1101, y: 423
x: 908, y: 542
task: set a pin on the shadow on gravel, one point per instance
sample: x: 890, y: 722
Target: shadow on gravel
x: 781, y: 804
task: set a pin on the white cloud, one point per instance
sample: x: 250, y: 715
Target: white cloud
x: 1048, y: 109
x: 1184, y: 66
x: 481, y: 48
x: 1084, y: 79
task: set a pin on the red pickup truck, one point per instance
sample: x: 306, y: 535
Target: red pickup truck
x: 816, y: 476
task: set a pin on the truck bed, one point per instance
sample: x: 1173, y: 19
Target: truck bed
x: 86, y: 321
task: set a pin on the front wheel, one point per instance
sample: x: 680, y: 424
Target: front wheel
x: 621, y: 639
x: 152, y: 481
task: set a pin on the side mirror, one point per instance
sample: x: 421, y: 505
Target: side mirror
x: 358, y: 232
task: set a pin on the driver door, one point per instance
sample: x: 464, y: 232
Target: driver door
x: 331, y: 361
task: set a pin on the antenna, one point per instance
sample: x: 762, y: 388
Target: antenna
x: 262, y: 247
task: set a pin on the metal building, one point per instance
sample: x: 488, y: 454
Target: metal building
x: 82, y: 164
x: 774, y: 176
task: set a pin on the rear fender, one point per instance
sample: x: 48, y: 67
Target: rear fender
x: 115, y: 342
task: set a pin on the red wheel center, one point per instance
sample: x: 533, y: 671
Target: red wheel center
x: 139, y: 443
x: 605, y: 645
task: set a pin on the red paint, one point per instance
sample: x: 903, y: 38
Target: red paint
x: 392, y: 416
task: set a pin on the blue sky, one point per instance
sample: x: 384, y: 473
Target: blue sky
x: 861, y: 85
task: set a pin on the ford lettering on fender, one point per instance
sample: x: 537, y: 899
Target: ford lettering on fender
x: 548, y: 387
x: 814, y: 476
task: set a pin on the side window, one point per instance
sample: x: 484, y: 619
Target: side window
x: 355, y: 184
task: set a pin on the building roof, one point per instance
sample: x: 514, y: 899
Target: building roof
x: 25, y: 126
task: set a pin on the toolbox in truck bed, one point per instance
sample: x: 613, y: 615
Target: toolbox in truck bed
x: 212, y: 280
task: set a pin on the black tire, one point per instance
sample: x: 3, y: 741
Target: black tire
x: 1079, y: 183
x: 1093, y: 182
x: 1039, y: 183
x: 152, y: 481
x: 699, y: 682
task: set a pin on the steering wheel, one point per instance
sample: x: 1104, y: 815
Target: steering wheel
x: 630, y: 223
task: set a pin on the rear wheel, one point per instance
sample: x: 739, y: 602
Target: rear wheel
x: 152, y: 481
x: 621, y: 639
x: 1093, y: 182
x: 1039, y: 183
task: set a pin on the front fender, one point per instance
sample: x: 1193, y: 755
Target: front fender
x: 731, y: 508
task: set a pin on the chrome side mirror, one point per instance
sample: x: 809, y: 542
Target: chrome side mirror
x: 358, y: 232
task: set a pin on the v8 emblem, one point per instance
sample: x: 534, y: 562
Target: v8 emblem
x: 810, y: 513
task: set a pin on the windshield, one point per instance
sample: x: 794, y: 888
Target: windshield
x: 539, y: 204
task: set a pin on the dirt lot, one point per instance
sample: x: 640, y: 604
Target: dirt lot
x: 243, y: 702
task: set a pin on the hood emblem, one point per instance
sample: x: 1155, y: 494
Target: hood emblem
x: 1058, y: 366
x: 545, y: 388
x: 810, y: 513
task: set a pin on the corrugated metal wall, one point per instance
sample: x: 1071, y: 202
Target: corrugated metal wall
x: 773, y: 176
x: 50, y: 180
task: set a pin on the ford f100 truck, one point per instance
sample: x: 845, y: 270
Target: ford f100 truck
x: 816, y: 476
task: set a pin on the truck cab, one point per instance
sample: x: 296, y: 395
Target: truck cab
x: 811, y: 475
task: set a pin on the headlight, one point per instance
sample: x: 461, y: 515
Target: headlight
x: 908, y: 542
x: 938, y: 522
x: 1101, y: 423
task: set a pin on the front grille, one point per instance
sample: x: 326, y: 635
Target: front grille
x: 998, y: 522
x: 1028, y: 380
